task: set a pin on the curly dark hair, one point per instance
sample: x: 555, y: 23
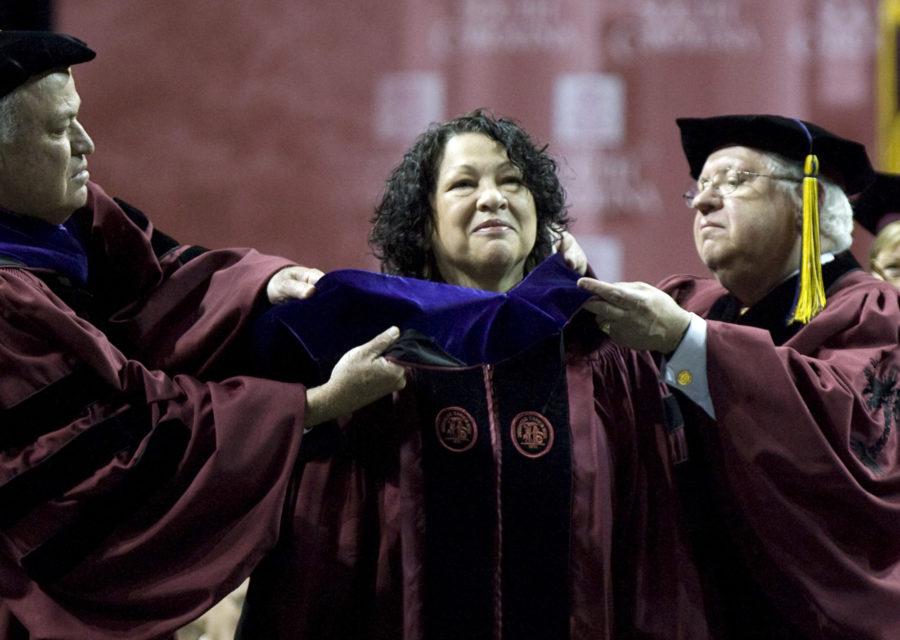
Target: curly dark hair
x: 401, y: 232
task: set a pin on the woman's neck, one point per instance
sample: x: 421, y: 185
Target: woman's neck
x: 487, y: 282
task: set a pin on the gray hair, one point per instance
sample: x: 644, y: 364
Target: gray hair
x: 9, y: 116
x: 835, y: 212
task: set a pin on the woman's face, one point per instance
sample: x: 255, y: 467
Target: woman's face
x: 484, y: 221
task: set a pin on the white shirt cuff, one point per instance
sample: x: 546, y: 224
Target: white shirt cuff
x: 686, y: 369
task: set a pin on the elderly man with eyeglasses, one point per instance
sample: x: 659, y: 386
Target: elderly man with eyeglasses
x: 785, y: 364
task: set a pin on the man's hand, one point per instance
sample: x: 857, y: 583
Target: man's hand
x: 360, y: 377
x: 565, y: 243
x: 292, y: 282
x: 637, y: 315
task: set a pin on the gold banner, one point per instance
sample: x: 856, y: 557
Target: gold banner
x: 888, y: 86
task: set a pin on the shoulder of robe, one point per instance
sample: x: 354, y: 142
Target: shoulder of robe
x: 684, y: 288
x: 873, y: 300
x: 18, y: 285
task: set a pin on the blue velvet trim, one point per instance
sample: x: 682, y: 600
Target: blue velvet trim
x: 474, y: 326
x: 40, y: 245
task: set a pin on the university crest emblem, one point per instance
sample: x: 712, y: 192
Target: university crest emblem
x: 532, y: 434
x: 456, y: 429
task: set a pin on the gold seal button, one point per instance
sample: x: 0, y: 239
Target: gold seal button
x: 456, y: 429
x: 532, y: 434
x: 684, y: 377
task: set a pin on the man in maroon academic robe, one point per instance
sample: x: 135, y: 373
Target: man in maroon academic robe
x: 138, y: 485
x: 789, y: 480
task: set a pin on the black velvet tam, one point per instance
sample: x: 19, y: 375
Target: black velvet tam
x: 842, y: 160
x: 24, y: 54
x: 873, y: 207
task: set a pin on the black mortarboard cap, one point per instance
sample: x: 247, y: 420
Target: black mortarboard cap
x: 24, y: 54
x: 873, y: 208
x: 843, y: 161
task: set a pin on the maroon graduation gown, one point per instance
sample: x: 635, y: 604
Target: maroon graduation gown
x: 792, y: 494
x: 135, y: 488
x: 526, y: 499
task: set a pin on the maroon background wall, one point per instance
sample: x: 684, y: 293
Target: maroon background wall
x: 273, y: 123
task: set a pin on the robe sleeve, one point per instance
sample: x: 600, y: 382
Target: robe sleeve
x: 172, y: 306
x: 806, y: 448
x: 130, y: 500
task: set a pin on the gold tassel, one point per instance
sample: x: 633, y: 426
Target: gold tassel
x: 811, y: 299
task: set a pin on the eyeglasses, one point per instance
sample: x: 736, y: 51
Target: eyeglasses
x: 724, y: 183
